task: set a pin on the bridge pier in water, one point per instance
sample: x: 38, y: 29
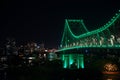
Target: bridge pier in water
x: 72, y: 60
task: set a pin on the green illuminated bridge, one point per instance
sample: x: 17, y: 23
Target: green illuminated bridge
x: 76, y: 37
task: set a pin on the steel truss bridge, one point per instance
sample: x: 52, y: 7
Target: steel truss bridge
x: 76, y: 35
x: 77, y: 40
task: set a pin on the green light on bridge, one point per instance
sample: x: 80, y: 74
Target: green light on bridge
x: 73, y: 61
x: 71, y: 33
x: 107, y: 36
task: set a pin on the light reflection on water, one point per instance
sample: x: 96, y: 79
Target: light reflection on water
x: 111, y: 77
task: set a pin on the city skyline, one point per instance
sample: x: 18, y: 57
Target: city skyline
x: 43, y: 22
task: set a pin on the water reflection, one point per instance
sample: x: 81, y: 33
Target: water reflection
x: 111, y: 77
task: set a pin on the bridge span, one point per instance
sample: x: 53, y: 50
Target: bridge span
x: 77, y: 41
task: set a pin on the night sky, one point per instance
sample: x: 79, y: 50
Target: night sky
x: 43, y: 22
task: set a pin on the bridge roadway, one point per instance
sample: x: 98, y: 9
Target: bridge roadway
x: 103, y: 48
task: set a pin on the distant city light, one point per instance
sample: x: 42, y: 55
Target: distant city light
x: 46, y: 50
x: 31, y: 57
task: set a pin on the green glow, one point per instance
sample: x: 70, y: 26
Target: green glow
x: 82, y: 61
x: 99, y: 38
x: 76, y: 25
x: 94, y: 31
x: 65, y: 63
x: 71, y: 41
x: 68, y: 27
x: 63, y: 57
x: 78, y: 62
x: 70, y: 59
x: 63, y: 36
x: 96, y: 46
x: 65, y: 60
